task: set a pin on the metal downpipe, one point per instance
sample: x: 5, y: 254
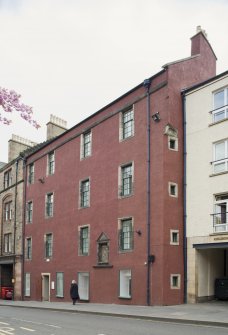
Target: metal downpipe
x: 147, y: 84
x: 184, y: 196
x: 23, y: 227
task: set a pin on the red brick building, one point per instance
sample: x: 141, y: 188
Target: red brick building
x: 105, y: 206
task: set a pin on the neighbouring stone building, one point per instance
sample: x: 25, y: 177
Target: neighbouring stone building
x: 11, y: 216
x: 12, y: 207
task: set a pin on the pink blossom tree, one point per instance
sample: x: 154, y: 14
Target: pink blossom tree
x: 10, y: 101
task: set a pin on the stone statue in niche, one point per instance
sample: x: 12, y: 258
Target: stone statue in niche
x: 103, y: 249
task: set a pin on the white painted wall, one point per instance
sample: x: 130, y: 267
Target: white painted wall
x: 201, y: 186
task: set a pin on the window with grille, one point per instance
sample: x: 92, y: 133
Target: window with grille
x: 51, y: 163
x: 84, y: 240
x: 49, y: 204
x: 29, y: 211
x: 85, y: 193
x: 86, y: 144
x: 126, y: 235
x: 28, y: 247
x: 31, y: 173
x: 127, y: 123
x: 48, y: 245
x: 126, y: 180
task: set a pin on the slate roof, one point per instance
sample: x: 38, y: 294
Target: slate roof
x: 2, y: 164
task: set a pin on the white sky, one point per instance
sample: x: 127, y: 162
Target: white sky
x: 72, y: 57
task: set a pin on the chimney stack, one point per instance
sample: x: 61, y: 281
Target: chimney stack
x: 199, y: 29
x: 55, y: 126
x: 200, y: 42
x: 16, y: 145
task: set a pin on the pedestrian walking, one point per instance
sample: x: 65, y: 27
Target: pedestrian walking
x: 74, y: 291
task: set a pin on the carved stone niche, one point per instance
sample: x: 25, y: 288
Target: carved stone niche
x: 170, y: 131
x: 103, y: 250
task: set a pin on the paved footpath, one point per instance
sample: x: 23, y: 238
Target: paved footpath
x: 213, y: 313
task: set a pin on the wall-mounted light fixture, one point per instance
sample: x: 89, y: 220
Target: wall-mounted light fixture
x: 41, y: 180
x: 138, y: 231
x: 147, y: 83
x: 151, y: 258
x: 156, y: 117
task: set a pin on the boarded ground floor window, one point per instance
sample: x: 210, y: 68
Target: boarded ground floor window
x: 59, y: 284
x: 27, y: 284
x: 83, y: 285
x: 125, y: 284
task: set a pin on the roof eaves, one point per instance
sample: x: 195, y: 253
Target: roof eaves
x: 203, y: 83
x: 5, y: 166
x: 114, y: 101
x: 32, y: 150
x: 2, y: 164
x: 28, y: 152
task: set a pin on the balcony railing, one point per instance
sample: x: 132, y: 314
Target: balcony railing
x: 220, y: 222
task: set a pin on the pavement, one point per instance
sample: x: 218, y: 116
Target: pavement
x: 214, y: 313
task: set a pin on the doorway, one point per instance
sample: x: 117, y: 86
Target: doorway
x: 45, y: 286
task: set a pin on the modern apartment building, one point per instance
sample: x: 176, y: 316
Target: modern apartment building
x: 206, y: 107
x: 105, y: 206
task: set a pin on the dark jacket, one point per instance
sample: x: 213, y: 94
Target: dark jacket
x: 74, y: 291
